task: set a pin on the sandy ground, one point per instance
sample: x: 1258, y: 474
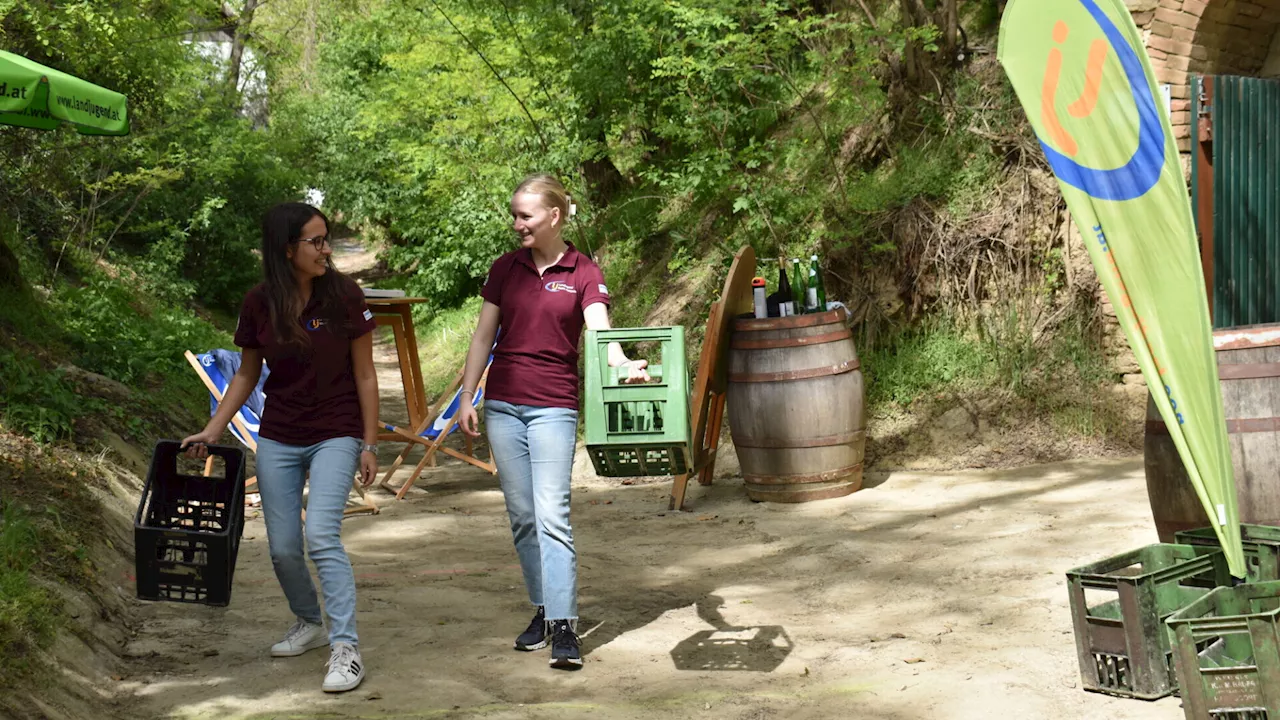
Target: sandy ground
x: 922, y: 596
x: 926, y: 596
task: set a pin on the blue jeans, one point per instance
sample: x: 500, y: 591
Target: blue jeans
x: 282, y: 473
x: 533, y: 448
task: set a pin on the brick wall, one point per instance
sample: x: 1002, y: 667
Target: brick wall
x: 1218, y: 37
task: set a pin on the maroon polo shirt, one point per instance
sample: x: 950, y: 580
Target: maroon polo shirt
x: 536, y: 360
x: 310, y: 393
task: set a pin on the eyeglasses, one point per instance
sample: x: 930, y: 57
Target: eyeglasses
x: 317, y: 242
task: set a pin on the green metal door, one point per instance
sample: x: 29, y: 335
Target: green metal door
x: 1237, y: 134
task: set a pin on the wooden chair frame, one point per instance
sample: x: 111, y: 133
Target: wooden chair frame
x: 368, y: 507
x: 414, y: 437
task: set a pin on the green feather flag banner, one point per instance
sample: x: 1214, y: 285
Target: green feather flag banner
x: 1082, y: 74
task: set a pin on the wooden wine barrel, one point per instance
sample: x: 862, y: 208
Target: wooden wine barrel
x: 1249, y: 374
x: 795, y: 406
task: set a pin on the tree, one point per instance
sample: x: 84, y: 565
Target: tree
x: 239, y: 33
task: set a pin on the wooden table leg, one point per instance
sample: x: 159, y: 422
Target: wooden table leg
x: 406, y: 375
x: 678, y: 487
x: 716, y: 412
x: 415, y: 364
x: 710, y: 442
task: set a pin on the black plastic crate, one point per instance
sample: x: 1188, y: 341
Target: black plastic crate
x: 187, y: 530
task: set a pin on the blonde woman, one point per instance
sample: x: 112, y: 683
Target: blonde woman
x: 541, y: 295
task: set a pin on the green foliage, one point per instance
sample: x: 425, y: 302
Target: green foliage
x: 108, y: 324
x: 928, y: 360
x: 1062, y: 375
x: 29, y: 614
x: 448, y: 334
x: 114, y: 333
x: 40, y: 404
x: 422, y: 120
x: 192, y: 177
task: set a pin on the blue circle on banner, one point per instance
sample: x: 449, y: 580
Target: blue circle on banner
x: 1136, y: 177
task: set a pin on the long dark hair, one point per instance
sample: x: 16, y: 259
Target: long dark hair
x: 282, y: 228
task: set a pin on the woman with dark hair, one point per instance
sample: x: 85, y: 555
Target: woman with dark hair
x: 541, y: 295
x: 311, y: 325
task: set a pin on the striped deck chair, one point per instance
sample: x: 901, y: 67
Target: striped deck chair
x: 442, y: 419
x: 216, y: 368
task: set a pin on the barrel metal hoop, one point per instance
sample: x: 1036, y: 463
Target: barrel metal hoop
x: 1235, y: 426
x: 800, y: 341
x: 821, y: 492
x: 1248, y: 371
x: 825, y: 476
x: 830, y: 317
x: 825, y: 441
x: 844, y: 367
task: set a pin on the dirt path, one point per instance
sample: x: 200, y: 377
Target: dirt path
x: 923, y: 596
x: 733, y: 610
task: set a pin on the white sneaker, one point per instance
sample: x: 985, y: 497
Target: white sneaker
x: 346, y: 669
x: 303, y: 636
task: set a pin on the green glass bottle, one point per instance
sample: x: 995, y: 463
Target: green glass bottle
x: 799, y: 281
x: 816, y: 296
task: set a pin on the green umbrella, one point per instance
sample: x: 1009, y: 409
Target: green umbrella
x: 35, y: 96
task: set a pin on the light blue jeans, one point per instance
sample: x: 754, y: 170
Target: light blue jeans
x: 282, y: 473
x: 533, y: 448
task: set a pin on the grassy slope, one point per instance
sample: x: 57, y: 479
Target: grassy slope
x: 90, y: 364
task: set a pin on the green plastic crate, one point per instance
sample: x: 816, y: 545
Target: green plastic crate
x: 1122, y: 643
x: 1261, y: 544
x: 1228, y: 653
x: 642, y: 428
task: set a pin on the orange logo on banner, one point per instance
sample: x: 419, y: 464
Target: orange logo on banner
x: 1088, y: 100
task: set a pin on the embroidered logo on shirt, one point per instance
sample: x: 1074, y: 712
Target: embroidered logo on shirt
x: 368, y: 315
x: 604, y: 290
x: 558, y: 286
x: 315, y: 324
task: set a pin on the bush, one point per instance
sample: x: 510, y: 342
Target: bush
x: 40, y: 404
x: 126, y: 336
x: 925, y: 361
x: 29, y: 614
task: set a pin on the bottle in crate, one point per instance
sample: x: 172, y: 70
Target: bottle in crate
x: 642, y: 428
x: 188, y: 527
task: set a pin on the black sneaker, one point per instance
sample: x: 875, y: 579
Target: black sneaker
x: 535, y: 636
x: 565, y: 654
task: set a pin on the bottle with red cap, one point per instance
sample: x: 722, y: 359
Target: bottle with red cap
x: 757, y: 291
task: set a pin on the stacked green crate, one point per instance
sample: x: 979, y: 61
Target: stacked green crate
x: 1118, y: 609
x: 1228, y: 653
x: 1261, y: 545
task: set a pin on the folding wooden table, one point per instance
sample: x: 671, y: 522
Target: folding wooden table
x: 706, y: 402
x: 397, y: 313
